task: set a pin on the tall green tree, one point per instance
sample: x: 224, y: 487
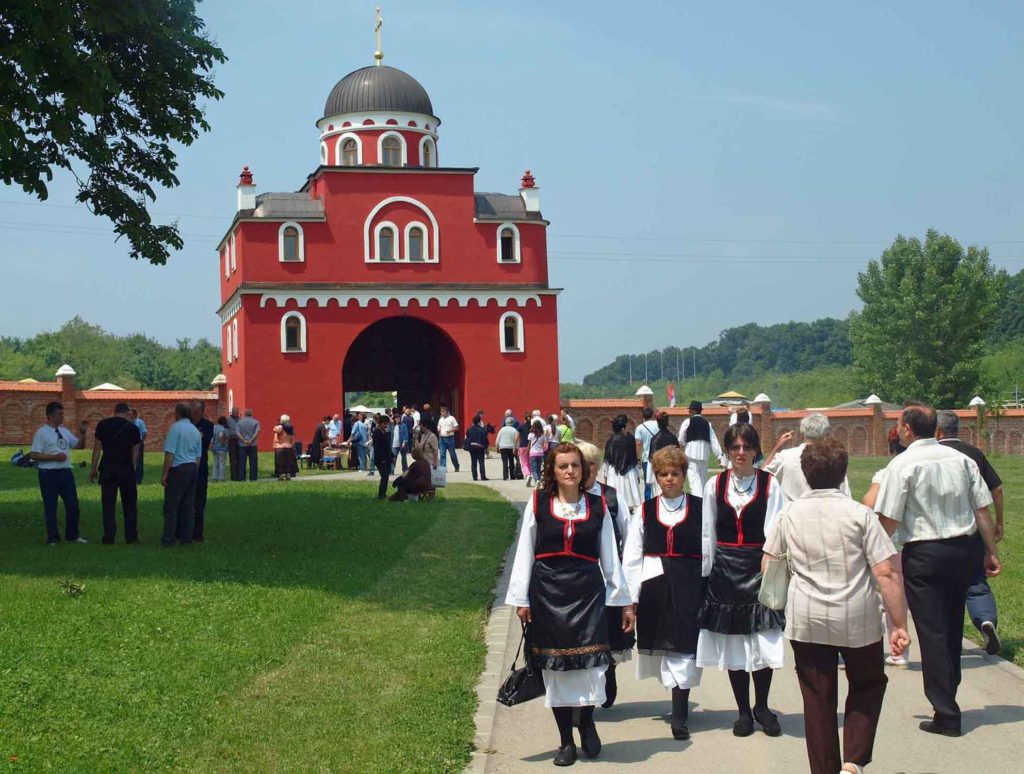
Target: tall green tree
x: 928, y: 308
x: 104, y: 89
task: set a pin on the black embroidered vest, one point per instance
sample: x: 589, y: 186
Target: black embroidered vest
x: 698, y: 429
x: 745, y: 528
x: 683, y: 539
x: 553, y: 534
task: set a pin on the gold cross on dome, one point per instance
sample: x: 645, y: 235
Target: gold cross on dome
x: 378, y: 54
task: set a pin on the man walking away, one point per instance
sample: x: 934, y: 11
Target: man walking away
x: 935, y: 498
x: 698, y: 439
x: 140, y: 463
x: 507, y: 442
x: 182, y: 448
x: 118, y: 439
x: 233, y: 455
x: 644, y: 433
x: 248, y: 450
x: 205, y: 428
x: 446, y: 427
x: 476, y: 445
x: 981, y: 603
x: 51, y: 449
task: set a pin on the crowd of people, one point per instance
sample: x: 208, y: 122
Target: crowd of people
x: 640, y: 561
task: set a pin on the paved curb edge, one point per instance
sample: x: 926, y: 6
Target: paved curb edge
x: 974, y: 649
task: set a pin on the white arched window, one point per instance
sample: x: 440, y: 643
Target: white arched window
x: 227, y: 265
x: 428, y: 152
x: 510, y: 329
x: 290, y: 243
x: 372, y: 228
x: 231, y: 400
x: 234, y: 261
x: 416, y: 248
x: 234, y: 339
x: 227, y: 343
x: 508, y: 243
x: 385, y: 242
x: 323, y: 153
x: 348, y: 150
x: 391, y: 150
x: 293, y: 332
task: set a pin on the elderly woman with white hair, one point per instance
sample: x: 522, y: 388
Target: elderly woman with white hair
x: 286, y: 465
x: 784, y: 463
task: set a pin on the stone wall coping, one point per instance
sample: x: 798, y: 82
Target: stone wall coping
x: 22, y: 387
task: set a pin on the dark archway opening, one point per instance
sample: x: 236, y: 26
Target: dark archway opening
x: 410, y: 356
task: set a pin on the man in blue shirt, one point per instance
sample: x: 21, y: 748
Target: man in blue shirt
x: 133, y: 415
x: 182, y: 450
x: 358, y: 440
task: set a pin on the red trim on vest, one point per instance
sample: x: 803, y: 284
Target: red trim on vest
x: 670, y: 537
x: 567, y: 539
x: 724, y: 477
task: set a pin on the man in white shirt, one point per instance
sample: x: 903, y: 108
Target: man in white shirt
x: 784, y: 463
x: 644, y: 433
x: 935, y: 499
x: 334, y: 430
x: 51, y: 449
x: 698, y: 439
x: 446, y: 427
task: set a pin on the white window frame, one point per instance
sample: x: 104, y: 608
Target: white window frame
x: 227, y: 342
x: 302, y: 333
x: 397, y: 246
x: 234, y: 337
x: 338, y: 144
x: 227, y: 263
x: 521, y: 330
x: 516, y: 249
x: 401, y: 143
x: 424, y: 141
x: 426, y: 242
x: 231, y: 400
x: 323, y: 153
x: 280, y: 242
x: 234, y: 260
x: 433, y: 233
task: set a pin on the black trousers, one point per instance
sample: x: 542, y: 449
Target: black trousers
x: 935, y: 575
x: 508, y: 463
x: 140, y: 466
x: 115, y: 479
x: 233, y: 458
x: 179, y: 504
x: 383, y: 473
x: 202, y: 485
x: 476, y: 461
x: 248, y: 454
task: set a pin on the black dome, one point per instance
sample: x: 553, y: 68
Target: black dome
x: 378, y: 88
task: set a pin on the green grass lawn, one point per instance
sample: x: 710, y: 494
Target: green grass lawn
x: 315, y: 630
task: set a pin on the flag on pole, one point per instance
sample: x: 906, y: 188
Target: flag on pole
x: 670, y: 388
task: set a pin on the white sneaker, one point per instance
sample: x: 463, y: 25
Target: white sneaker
x: 899, y: 663
x: 81, y: 540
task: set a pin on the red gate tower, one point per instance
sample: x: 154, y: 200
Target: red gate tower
x: 386, y: 271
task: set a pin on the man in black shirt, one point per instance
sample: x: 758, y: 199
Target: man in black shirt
x: 119, y: 440
x: 981, y: 604
x: 205, y: 428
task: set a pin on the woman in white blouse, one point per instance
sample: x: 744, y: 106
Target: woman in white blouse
x: 565, y: 572
x: 738, y: 633
x: 662, y: 565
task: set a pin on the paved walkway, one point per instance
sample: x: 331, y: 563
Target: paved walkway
x: 636, y: 734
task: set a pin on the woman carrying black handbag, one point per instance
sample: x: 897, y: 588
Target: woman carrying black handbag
x: 566, y: 571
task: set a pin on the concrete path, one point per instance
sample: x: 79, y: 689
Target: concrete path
x: 636, y: 733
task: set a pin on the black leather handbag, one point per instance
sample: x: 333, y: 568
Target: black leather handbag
x: 524, y: 683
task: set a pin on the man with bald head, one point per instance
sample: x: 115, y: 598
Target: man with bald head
x: 935, y: 500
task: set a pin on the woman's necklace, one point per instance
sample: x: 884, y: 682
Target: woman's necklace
x: 682, y: 500
x: 570, y: 507
x: 742, y: 490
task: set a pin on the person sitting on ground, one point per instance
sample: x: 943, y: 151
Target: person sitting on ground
x: 415, y: 481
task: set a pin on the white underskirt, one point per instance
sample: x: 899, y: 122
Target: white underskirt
x: 574, y: 687
x: 747, y: 652
x: 672, y: 671
x: 626, y: 486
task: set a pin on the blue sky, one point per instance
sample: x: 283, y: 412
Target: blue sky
x: 703, y: 165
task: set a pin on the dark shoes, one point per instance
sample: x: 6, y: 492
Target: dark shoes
x: 931, y: 727
x: 590, y: 741
x: 992, y: 644
x: 744, y: 726
x: 768, y: 721
x: 681, y: 731
x: 566, y: 755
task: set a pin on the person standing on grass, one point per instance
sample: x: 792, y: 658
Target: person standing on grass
x: 248, y: 449
x: 286, y: 464
x: 507, y: 442
x: 446, y: 427
x: 400, y: 439
x: 934, y: 499
x: 51, y: 449
x: 981, y: 603
x: 143, y: 430
x: 219, y: 447
x: 234, y: 464
x: 182, y: 449
x: 382, y: 454
x: 118, y: 439
x: 205, y: 428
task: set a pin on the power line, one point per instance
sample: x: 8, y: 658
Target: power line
x: 760, y: 241
x: 81, y: 207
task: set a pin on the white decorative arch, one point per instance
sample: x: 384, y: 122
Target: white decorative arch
x: 426, y: 237
x: 359, y: 147
x: 434, y: 234
x: 234, y: 338
x: 227, y: 263
x: 302, y: 332
x: 401, y: 142
x: 227, y: 343
x: 323, y: 153
x: 520, y: 332
x: 424, y: 141
x: 396, y: 253
x: 280, y: 242
x: 517, y: 256
x: 231, y: 249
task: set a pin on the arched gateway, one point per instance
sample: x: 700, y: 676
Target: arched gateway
x: 392, y: 262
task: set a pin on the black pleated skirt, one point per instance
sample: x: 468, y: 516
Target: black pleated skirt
x: 731, y: 605
x: 669, y: 604
x: 570, y: 628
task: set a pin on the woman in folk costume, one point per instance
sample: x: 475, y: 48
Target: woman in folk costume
x: 738, y: 633
x: 662, y: 565
x: 621, y: 642
x: 621, y: 464
x: 566, y: 570
x: 664, y: 437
